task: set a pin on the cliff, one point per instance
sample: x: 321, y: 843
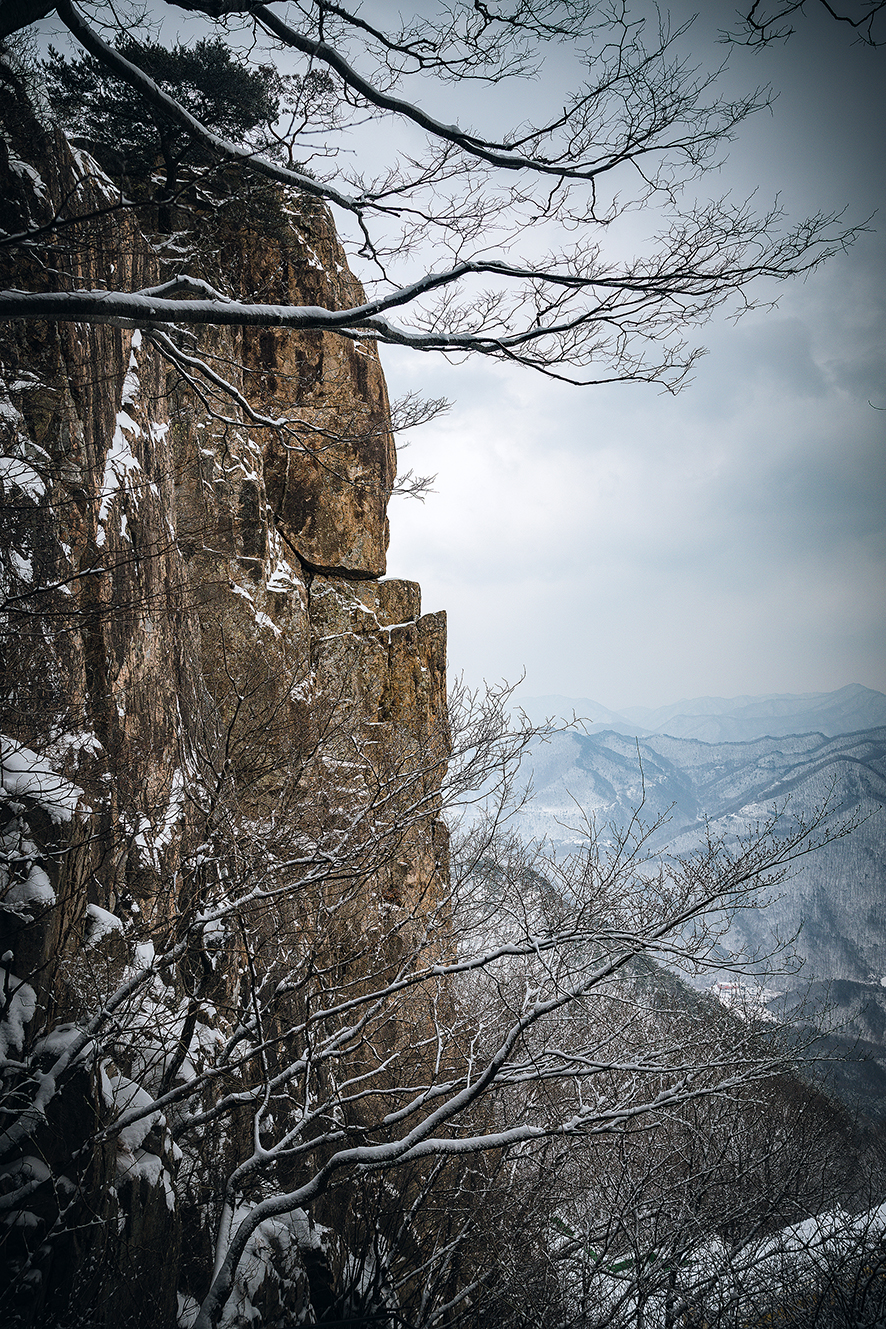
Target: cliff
x: 223, y: 733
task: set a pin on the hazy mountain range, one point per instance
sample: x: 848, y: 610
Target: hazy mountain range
x: 730, y: 719
x: 836, y: 897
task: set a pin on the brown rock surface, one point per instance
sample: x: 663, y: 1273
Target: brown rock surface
x: 190, y: 597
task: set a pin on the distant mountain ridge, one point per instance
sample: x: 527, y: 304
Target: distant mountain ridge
x: 837, y: 896
x: 730, y: 719
x: 687, y: 780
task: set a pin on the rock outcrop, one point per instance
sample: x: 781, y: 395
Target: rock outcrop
x: 197, y: 638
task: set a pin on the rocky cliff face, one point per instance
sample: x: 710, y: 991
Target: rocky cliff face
x: 202, y: 668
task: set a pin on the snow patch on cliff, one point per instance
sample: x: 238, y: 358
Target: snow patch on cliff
x: 24, y: 774
x: 19, y: 1004
x: 120, y: 466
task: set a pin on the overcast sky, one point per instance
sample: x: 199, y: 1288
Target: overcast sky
x: 636, y: 548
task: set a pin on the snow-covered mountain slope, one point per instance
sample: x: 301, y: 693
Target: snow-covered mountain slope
x: 833, y: 902
x: 837, y: 895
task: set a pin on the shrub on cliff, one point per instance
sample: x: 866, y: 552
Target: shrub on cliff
x: 130, y: 136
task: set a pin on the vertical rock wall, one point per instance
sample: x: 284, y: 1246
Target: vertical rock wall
x: 192, y: 592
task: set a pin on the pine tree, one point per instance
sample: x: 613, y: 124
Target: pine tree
x: 129, y: 136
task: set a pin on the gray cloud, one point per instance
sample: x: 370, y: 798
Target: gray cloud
x: 635, y: 547
x: 632, y: 547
